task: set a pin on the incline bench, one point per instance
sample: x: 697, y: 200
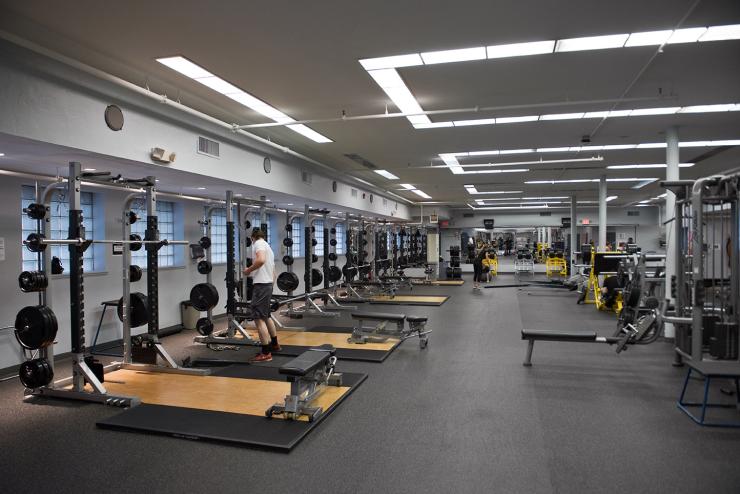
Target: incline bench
x: 380, y: 332
x: 307, y: 374
x: 533, y: 335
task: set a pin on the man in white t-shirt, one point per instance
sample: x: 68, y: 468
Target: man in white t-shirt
x: 262, y: 272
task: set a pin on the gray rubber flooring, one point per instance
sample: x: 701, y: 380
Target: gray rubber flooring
x: 461, y: 416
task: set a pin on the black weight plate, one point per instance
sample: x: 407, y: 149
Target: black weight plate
x: 248, y: 241
x: 36, y: 211
x: 32, y: 281
x: 137, y: 242
x: 204, y: 326
x: 204, y: 242
x: 138, y: 309
x: 333, y: 231
x: 316, y: 278
x: 134, y: 273
x: 247, y: 224
x: 204, y: 296
x: 314, y: 243
x: 35, y: 327
x: 33, y: 242
x: 334, y: 274
x: 314, y: 258
x: 35, y: 373
x: 288, y: 242
x: 332, y: 256
x: 287, y: 260
x: 333, y: 242
x: 204, y: 267
x: 288, y: 228
x: 287, y: 282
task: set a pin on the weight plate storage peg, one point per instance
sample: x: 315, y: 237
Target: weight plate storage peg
x: 138, y: 309
x: 204, y: 267
x: 204, y: 326
x: 35, y: 327
x: 204, y: 296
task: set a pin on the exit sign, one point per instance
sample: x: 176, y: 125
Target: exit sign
x: 585, y: 221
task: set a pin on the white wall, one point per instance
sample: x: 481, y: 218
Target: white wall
x: 53, y: 103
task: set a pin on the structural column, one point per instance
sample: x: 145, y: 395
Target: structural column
x: 574, y: 244
x: 601, y: 245
x: 671, y: 159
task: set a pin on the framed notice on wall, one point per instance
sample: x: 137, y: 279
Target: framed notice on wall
x: 488, y: 224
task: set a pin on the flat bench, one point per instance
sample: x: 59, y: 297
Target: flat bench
x: 308, y: 373
x: 380, y: 333
x: 532, y: 335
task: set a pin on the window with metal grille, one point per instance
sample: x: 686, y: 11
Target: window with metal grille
x: 319, y: 236
x: 166, y: 224
x: 296, y: 235
x: 59, y: 214
x: 340, y: 239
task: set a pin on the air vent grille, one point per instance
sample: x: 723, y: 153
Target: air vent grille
x: 633, y: 213
x: 208, y: 147
x: 306, y: 177
x: 385, y: 201
x: 468, y: 215
x: 545, y: 213
x: 359, y: 159
x: 354, y: 192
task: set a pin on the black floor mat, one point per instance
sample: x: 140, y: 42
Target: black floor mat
x: 233, y: 428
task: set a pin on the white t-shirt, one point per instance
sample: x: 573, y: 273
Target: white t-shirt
x: 265, y: 274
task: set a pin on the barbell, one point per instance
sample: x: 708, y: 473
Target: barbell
x: 37, y: 242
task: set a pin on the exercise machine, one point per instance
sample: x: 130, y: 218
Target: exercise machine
x: 380, y: 332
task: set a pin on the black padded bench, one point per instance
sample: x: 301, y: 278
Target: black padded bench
x: 417, y: 328
x: 307, y: 374
x: 379, y: 316
x: 308, y: 361
x: 532, y: 335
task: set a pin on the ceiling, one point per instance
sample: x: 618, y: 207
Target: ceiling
x: 302, y: 58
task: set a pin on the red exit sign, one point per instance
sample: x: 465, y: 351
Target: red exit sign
x: 585, y: 221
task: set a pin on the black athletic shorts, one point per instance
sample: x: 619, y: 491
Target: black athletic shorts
x: 261, y: 294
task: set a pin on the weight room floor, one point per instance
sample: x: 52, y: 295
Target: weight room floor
x: 462, y: 415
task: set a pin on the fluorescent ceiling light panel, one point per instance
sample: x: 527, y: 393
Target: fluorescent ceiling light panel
x: 654, y: 111
x: 616, y: 147
x: 198, y: 74
x: 421, y: 193
x: 185, y: 67
x: 447, y: 56
x: 520, y: 49
x: 553, y: 150
x: 386, y: 174
x: 611, y: 198
x: 651, y: 145
x: 503, y: 170
x: 688, y: 35
x: 433, y: 125
x: 650, y: 38
x: 596, y: 114
x: 505, y: 120
x: 407, y: 186
x: 516, y: 151
x: 409, y: 60
x: 479, y: 121
x: 656, y: 165
x: 562, y: 116
x: 619, y: 113
x: 709, y: 108
x: 483, y: 153
x: 310, y: 133
x: 387, y: 78
x: 588, y: 180
x: 591, y: 43
x: 721, y: 33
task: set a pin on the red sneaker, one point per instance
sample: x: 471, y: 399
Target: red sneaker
x: 262, y: 357
x: 276, y: 347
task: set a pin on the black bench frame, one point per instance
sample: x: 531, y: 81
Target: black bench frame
x: 380, y: 333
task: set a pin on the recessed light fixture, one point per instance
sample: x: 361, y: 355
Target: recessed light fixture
x: 201, y: 188
x: 386, y: 174
x: 199, y: 74
x: 587, y: 180
x: 520, y: 49
x: 421, y: 193
x: 447, y: 56
x: 650, y: 38
x: 407, y: 186
x: 84, y: 169
x: 591, y: 43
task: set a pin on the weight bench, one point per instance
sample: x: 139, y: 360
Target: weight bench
x: 532, y: 335
x: 380, y: 332
x: 307, y: 374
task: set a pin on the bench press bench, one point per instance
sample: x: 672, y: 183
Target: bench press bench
x: 532, y: 335
x: 380, y: 332
x: 307, y: 374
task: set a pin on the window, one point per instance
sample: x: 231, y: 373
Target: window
x: 296, y: 236
x: 59, y: 214
x: 319, y: 236
x: 218, y: 236
x: 340, y: 238
x: 166, y: 224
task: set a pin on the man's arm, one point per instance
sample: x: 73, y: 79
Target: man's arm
x: 259, y: 261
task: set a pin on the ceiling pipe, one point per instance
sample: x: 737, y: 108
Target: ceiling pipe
x: 472, y: 109
x: 163, y: 99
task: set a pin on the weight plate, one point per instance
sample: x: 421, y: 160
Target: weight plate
x: 35, y: 327
x: 332, y: 256
x: 287, y: 260
x: 248, y: 242
x: 204, y: 326
x: 287, y: 282
x: 333, y: 242
x: 314, y: 258
x: 316, y: 278
x: 33, y: 242
x: 204, y: 296
x: 288, y: 242
x: 137, y: 242
x: 138, y: 309
x: 134, y: 273
x: 247, y: 224
x: 204, y: 242
x: 334, y: 274
x: 204, y: 267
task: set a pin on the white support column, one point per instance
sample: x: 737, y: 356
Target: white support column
x: 671, y: 159
x: 574, y: 245
x: 601, y: 245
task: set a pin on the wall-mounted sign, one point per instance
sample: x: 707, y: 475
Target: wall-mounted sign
x: 117, y: 249
x: 433, y: 218
x: 488, y: 224
x: 444, y: 223
x: 585, y: 221
x: 565, y: 222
